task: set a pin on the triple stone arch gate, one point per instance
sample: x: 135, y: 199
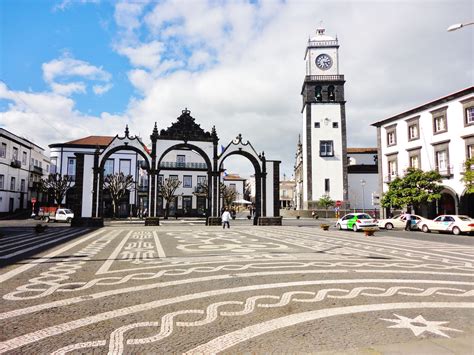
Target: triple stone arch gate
x: 184, y: 134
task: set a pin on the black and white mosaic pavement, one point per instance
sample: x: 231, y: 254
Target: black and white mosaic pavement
x: 197, y: 289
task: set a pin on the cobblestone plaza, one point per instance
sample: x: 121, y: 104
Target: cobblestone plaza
x: 197, y: 289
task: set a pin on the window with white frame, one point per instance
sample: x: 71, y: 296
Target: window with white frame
x: 413, y: 131
x: 468, y: 107
x: 470, y: 115
x: 109, y: 167
x: 441, y: 160
x: 415, y: 162
x: 391, y: 137
x: 201, y: 180
x: 160, y: 179
x: 24, y: 158
x: 3, y: 150
x: 326, y: 149
x: 470, y: 151
x: 439, y: 124
x: 125, y: 166
x: 22, y: 185
x: 392, y: 167
x: 441, y: 156
x: 2, y: 181
x: 54, y: 163
x: 187, y: 181
x: 13, y: 184
x: 173, y: 177
x: 71, y: 167
x: 15, y: 153
x: 233, y: 187
x: 181, y: 161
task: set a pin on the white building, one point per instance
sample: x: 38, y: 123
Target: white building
x: 236, y: 183
x: 324, y: 145
x: 437, y: 135
x: 22, y: 165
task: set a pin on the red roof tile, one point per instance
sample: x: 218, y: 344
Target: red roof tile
x: 92, y: 140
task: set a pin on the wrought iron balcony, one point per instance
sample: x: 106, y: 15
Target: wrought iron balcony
x: 199, y: 190
x: 174, y: 165
x: 36, y: 169
x: 15, y: 163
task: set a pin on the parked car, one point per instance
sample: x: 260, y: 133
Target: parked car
x: 455, y: 224
x: 400, y: 222
x: 356, y: 221
x: 55, y: 214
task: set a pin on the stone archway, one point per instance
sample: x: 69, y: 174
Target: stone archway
x: 126, y: 143
x: 449, y: 202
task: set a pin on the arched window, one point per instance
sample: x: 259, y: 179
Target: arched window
x: 318, y: 93
x: 331, y: 94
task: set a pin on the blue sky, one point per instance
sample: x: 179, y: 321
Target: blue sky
x: 73, y: 68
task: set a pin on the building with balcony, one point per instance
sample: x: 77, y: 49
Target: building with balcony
x: 437, y: 135
x: 22, y: 165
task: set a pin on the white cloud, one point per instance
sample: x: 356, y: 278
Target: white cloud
x: 58, y: 73
x: 145, y: 55
x: 64, y: 4
x: 66, y: 66
x: 101, y: 89
x: 52, y: 118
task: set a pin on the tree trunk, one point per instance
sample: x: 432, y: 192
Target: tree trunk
x: 167, y: 210
x: 114, y: 209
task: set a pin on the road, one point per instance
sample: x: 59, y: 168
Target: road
x: 187, y: 288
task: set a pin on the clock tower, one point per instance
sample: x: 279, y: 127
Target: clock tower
x: 324, y: 122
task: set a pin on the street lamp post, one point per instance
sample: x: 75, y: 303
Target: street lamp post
x: 362, y: 183
x: 457, y: 26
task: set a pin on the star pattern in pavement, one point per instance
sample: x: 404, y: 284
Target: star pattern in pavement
x: 419, y: 325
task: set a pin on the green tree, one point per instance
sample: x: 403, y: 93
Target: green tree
x: 415, y: 188
x: 168, y: 191
x: 56, y: 185
x: 468, y: 177
x: 118, y: 184
x: 326, y: 202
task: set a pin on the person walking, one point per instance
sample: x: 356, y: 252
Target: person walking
x: 225, y: 218
x: 407, y: 217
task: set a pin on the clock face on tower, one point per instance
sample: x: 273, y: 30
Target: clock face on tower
x: 323, y: 62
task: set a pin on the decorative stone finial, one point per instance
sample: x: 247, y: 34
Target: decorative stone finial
x: 126, y: 131
x: 186, y: 111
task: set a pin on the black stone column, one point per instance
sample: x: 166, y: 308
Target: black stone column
x: 152, y: 174
x: 79, y: 185
x: 276, y: 188
x: 95, y: 192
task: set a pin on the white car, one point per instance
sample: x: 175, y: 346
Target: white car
x: 448, y: 223
x: 356, y: 221
x: 400, y: 222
